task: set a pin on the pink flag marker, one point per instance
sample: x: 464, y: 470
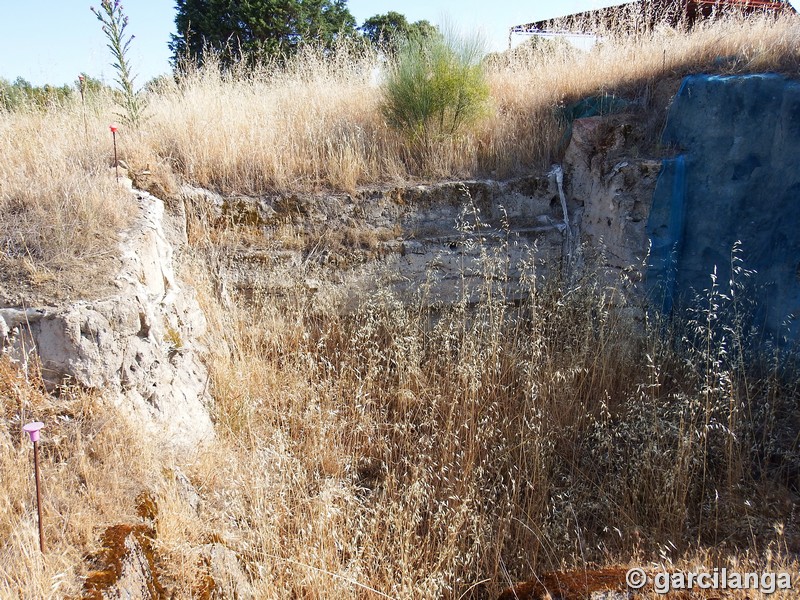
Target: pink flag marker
x: 32, y: 429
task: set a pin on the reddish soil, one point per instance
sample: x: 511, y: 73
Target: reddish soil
x: 568, y: 585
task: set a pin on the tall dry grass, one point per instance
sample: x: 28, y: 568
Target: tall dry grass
x: 316, y: 123
x: 60, y: 208
x: 407, y: 452
x: 402, y: 451
x: 395, y: 451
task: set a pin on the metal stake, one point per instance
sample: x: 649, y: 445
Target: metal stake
x: 83, y: 103
x: 32, y: 429
x: 116, y: 163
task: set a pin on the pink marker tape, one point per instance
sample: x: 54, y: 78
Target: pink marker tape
x: 32, y: 429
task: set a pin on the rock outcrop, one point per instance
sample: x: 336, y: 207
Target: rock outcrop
x: 434, y: 238
x: 125, y: 567
x: 138, y: 347
x: 446, y: 240
x: 734, y: 183
x: 611, y: 190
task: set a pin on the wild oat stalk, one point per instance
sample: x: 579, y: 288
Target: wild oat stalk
x: 115, y: 22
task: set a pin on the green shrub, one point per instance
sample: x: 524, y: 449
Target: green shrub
x: 436, y: 87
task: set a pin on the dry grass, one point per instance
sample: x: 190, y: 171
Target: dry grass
x: 397, y: 452
x: 430, y: 454
x: 402, y: 452
x: 60, y: 208
x: 317, y: 124
x: 93, y: 466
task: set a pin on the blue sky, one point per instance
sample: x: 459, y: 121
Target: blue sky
x: 52, y: 41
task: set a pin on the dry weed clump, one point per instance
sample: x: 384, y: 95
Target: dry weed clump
x: 407, y: 451
x: 60, y: 208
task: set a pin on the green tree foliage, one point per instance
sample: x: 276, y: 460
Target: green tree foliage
x: 91, y: 85
x: 256, y: 30
x: 114, y: 21
x: 387, y: 31
x: 436, y: 87
x: 21, y: 94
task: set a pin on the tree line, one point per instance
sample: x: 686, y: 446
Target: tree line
x: 22, y: 93
x: 234, y: 30
x: 262, y: 30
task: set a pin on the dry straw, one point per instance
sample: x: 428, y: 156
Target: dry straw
x: 394, y: 451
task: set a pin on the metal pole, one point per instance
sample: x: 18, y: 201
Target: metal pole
x: 83, y: 103
x: 32, y: 429
x: 116, y: 164
x: 38, y: 494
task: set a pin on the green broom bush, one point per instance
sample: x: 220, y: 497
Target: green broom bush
x: 436, y: 87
